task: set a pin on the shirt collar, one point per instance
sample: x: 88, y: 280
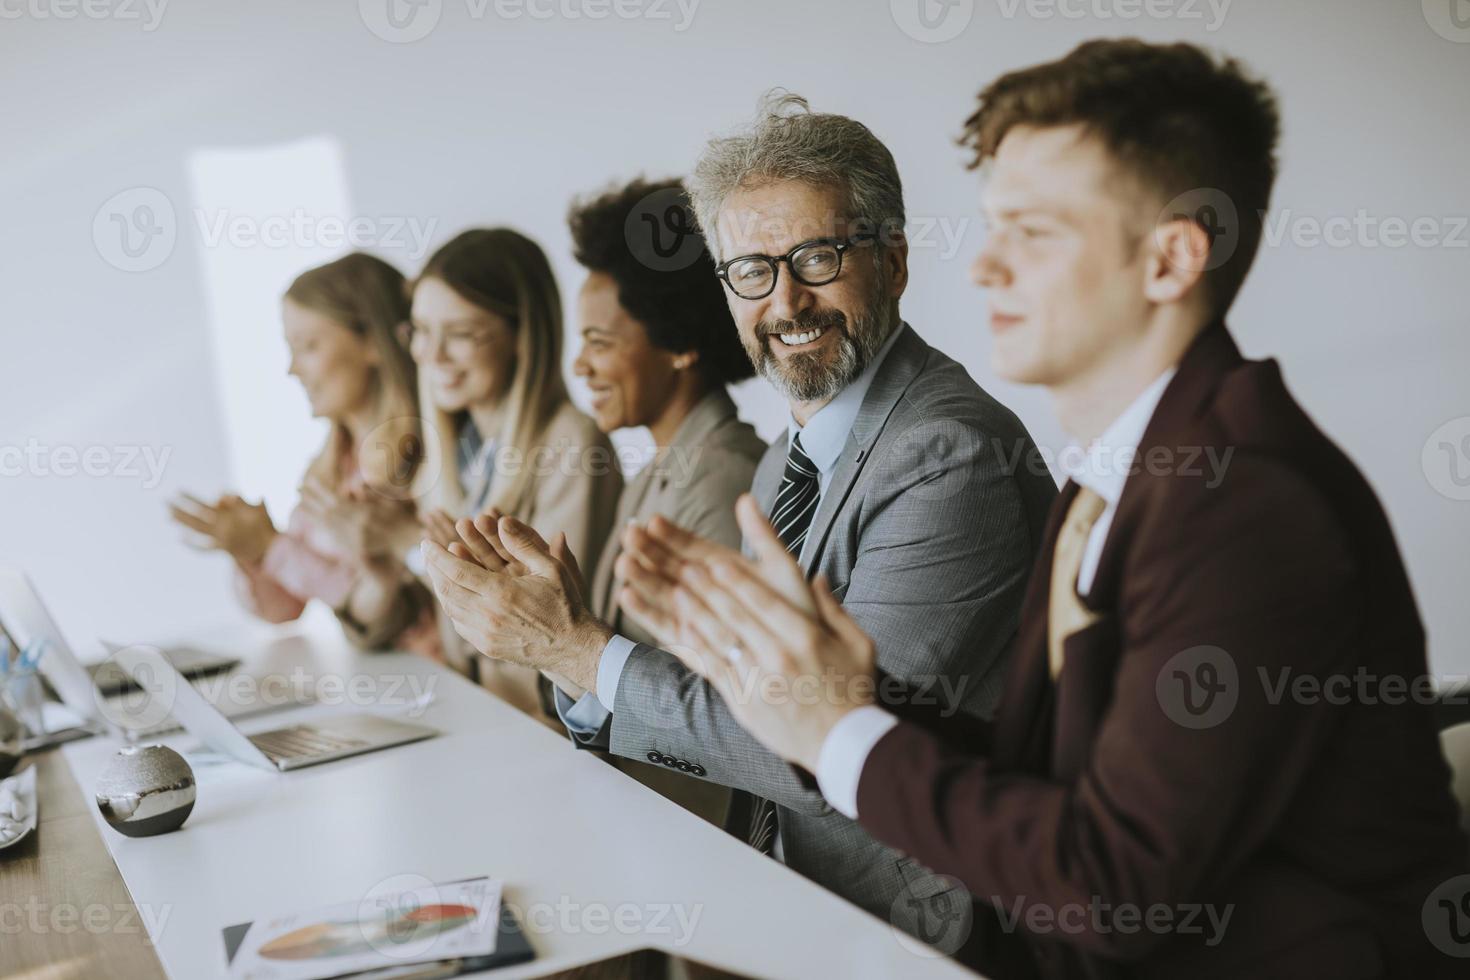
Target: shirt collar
x: 475, y: 455
x: 825, y: 433
x: 1103, y: 467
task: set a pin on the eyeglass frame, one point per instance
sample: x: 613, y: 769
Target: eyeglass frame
x: 774, y: 261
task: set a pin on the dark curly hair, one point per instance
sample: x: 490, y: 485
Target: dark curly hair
x: 676, y: 297
x: 1175, y: 118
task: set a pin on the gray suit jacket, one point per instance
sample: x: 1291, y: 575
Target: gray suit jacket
x: 927, y: 531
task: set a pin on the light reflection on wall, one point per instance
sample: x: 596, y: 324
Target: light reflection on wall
x: 261, y: 216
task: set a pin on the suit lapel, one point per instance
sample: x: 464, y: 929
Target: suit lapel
x: 904, y: 362
x: 603, y: 599
x: 1023, y: 724
x: 1188, y: 393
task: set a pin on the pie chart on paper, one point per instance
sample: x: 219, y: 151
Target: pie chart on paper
x: 322, y: 940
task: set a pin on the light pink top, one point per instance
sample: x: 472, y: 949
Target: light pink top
x: 303, y: 563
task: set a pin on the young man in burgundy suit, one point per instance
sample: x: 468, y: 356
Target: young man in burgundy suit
x: 1213, y: 757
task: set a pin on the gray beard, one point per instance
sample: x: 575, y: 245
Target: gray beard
x: 809, y: 378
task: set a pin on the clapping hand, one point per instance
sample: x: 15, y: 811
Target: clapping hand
x: 784, y: 655
x: 363, y: 522
x: 242, y: 530
x: 515, y: 598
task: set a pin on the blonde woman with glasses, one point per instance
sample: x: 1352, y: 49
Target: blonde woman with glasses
x: 501, y: 433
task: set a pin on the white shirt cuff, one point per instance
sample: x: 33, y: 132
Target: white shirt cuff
x: 610, y: 668
x: 845, y: 752
x: 585, y: 716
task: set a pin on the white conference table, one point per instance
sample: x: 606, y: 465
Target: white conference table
x: 595, y: 864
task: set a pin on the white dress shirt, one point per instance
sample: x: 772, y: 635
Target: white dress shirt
x: 1103, y: 468
x: 823, y: 438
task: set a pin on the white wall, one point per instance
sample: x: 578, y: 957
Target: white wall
x: 497, y: 119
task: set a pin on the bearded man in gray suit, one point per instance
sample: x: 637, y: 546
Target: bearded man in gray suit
x: 918, y: 496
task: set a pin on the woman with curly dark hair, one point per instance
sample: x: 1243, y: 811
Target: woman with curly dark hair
x: 659, y: 349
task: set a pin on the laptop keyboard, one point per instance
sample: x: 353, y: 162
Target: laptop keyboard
x: 303, y: 741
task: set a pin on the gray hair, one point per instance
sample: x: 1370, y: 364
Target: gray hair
x: 788, y: 141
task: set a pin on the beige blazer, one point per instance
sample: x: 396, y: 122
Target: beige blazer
x: 576, y: 491
x: 694, y: 482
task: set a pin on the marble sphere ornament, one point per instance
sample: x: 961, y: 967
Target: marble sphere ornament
x: 146, y: 790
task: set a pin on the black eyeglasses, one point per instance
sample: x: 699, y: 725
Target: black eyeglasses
x: 813, y: 263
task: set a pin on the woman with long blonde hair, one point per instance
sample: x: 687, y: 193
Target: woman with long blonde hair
x: 501, y: 432
x: 343, y: 323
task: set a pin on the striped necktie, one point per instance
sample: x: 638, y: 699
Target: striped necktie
x: 796, y: 502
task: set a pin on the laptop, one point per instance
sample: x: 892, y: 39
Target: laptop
x: 281, y: 749
x: 97, y: 694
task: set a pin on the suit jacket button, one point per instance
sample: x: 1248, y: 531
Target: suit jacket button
x: 696, y: 770
x: 655, y: 758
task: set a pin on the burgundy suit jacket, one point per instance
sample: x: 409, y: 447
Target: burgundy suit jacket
x: 1180, y: 760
